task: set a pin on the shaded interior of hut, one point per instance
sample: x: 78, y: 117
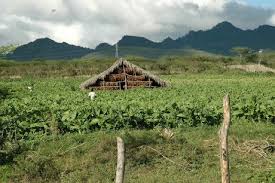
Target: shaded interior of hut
x: 124, y: 78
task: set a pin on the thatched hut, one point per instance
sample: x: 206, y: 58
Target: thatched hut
x: 123, y: 75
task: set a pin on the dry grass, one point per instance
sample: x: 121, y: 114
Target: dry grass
x: 252, y: 68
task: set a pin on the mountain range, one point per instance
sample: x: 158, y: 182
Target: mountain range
x: 218, y: 40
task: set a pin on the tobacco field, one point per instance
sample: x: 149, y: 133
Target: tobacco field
x: 58, y: 105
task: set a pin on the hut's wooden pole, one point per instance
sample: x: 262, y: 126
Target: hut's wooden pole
x: 223, y: 133
x: 120, y: 161
x: 125, y: 79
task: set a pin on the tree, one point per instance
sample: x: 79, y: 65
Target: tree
x: 245, y: 54
x: 251, y: 57
x: 4, y: 50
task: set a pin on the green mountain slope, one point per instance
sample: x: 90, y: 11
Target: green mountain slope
x: 153, y: 53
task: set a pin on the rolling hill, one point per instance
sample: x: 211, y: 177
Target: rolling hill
x: 47, y: 49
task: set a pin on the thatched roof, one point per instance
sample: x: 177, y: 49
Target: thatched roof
x: 116, y: 65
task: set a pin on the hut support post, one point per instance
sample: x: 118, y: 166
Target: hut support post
x: 120, y: 161
x: 125, y: 79
x: 119, y: 83
x: 223, y: 133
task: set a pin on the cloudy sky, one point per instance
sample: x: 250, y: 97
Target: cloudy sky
x: 89, y: 22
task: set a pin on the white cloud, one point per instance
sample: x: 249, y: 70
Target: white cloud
x: 272, y: 20
x: 3, y: 26
x: 89, y: 22
x: 72, y: 33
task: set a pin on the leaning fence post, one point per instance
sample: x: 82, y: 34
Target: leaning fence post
x: 223, y: 133
x: 120, y: 161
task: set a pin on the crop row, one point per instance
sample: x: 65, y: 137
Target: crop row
x: 31, y: 116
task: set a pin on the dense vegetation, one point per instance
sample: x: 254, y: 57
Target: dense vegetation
x: 59, y: 103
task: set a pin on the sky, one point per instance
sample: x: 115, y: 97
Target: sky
x: 90, y: 22
x: 262, y: 3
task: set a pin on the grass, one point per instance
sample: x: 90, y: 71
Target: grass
x: 92, y: 157
x: 160, y: 61
x: 168, y: 64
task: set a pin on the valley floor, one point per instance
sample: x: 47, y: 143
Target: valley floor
x: 53, y: 132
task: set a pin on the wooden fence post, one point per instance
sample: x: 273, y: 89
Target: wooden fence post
x: 223, y: 133
x: 120, y: 161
